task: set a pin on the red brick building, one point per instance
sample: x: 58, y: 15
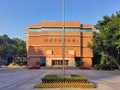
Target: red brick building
x: 44, y: 43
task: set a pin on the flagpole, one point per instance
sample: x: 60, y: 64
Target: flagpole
x: 63, y: 37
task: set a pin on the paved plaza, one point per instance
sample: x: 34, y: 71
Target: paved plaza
x: 24, y: 79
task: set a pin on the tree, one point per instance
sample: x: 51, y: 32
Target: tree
x: 20, y: 48
x: 3, y: 45
x: 11, y: 47
x: 108, y: 39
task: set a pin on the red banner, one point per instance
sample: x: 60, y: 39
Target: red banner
x: 60, y: 56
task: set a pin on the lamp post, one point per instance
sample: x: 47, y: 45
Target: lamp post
x: 63, y: 38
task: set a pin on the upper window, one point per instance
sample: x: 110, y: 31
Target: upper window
x: 86, y: 30
x: 59, y: 29
x: 35, y: 29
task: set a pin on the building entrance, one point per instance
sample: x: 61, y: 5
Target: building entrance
x: 59, y: 62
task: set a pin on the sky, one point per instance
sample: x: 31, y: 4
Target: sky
x: 16, y: 15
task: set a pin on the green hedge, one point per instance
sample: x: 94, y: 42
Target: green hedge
x: 74, y: 75
x: 63, y: 85
x: 64, y: 79
x: 105, y: 67
x: 50, y: 76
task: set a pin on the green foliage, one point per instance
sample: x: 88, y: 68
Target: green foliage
x: 74, y: 75
x: 102, y: 61
x: 55, y: 78
x: 73, y: 81
x: 64, y: 85
x: 20, y: 46
x: 100, y: 67
x: 49, y: 77
x: 12, y: 47
x: 21, y: 63
x: 107, y: 40
x: 105, y: 67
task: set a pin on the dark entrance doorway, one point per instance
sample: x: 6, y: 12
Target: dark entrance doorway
x: 43, y: 61
x: 59, y: 62
x: 78, y: 61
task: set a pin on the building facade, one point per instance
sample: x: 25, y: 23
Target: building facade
x: 44, y: 44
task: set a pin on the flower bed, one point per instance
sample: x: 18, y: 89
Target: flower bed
x: 73, y: 81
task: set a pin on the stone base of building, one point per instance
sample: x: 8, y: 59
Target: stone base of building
x: 57, y: 62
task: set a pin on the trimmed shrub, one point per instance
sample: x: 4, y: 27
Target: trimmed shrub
x: 99, y: 66
x: 64, y: 79
x: 73, y: 81
x: 105, y: 67
x: 74, y: 75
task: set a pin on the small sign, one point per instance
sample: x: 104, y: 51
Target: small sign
x: 59, y: 56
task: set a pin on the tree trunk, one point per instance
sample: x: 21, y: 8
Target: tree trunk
x: 113, y: 59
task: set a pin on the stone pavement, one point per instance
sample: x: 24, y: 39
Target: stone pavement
x: 24, y: 79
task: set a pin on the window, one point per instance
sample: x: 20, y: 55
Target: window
x: 86, y: 30
x: 56, y: 29
x: 35, y: 29
x: 59, y: 29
